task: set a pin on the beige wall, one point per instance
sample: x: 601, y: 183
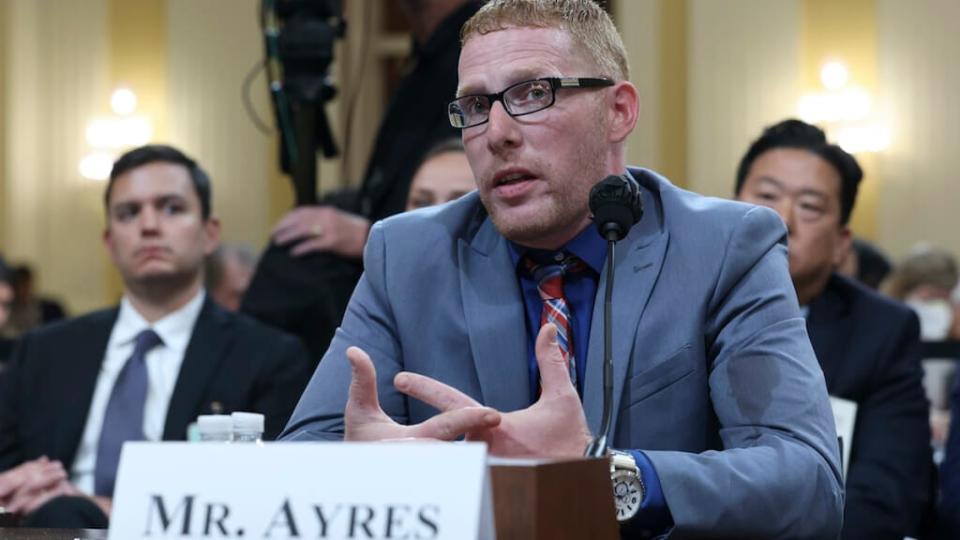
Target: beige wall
x: 920, y: 83
x: 55, y: 81
x: 206, y: 113
x: 4, y: 31
x: 637, y: 22
x: 744, y: 75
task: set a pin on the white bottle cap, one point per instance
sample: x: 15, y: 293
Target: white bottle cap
x: 210, y: 424
x: 247, y: 421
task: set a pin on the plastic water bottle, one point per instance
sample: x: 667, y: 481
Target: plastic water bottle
x: 247, y: 427
x: 215, y: 427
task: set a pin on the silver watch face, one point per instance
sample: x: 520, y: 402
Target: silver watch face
x: 627, y: 494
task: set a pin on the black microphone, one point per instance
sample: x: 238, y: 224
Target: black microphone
x: 616, y: 205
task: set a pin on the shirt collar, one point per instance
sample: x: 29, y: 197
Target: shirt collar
x: 174, y: 329
x: 588, y: 246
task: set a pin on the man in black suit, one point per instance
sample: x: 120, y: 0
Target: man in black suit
x: 950, y: 473
x: 868, y: 346
x: 76, y: 390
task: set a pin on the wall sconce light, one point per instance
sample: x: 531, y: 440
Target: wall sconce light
x: 845, y: 111
x: 107, y: 136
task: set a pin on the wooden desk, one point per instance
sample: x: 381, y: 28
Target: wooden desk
x: 53, y: 534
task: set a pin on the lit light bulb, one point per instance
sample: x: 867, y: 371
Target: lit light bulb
x: 866, y: 138
x: 117, y: 133
x: 123, y: 101
x: 96, y: 166
x: 834, y: 75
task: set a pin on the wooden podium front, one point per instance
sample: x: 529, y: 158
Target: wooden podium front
x: 553, y: 500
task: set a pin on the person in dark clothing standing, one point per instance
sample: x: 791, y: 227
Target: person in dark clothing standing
x: 305, y: 278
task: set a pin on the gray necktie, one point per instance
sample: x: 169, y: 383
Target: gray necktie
x: 123, y: 419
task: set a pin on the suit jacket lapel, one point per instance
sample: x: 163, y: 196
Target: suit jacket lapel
x: 829, y: 328
x: 493, y: 308
x: 205, y: 351
x: 639, y: 258
x: 78, y: 381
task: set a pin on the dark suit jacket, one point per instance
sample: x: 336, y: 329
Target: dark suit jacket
x: 869, y: 349
x: 950, y: 473
x: 232, y: 363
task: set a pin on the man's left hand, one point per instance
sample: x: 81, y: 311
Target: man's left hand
x: 39, y: 481
x: 554, y: 426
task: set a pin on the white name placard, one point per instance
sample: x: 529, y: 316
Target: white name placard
x: 302, y: 490
x: 845, y: 417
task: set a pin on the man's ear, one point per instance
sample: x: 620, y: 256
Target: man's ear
x: 624, y: 110
x: 211, y: 231
x: 844, y: 244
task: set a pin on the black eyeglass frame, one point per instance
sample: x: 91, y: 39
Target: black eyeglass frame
x: 556, y: 83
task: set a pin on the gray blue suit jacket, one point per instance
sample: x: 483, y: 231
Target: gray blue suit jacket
x: 715, y: 378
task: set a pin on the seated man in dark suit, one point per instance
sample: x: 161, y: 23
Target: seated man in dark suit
x: 30, y: 309
x: 950, y: 473
x: 77, y: 390
x: 867, y: 345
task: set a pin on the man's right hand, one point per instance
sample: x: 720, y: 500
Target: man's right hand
x: 553, y: 427
x: 366, y: 421
x: 312, y: 229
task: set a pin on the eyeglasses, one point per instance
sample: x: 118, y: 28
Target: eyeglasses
x: 519, y: 99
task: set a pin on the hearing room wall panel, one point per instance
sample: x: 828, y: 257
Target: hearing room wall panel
x: 744, y: 75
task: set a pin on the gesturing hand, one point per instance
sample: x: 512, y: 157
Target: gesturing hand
x: 554, y: 426
x: 366, y: 421
x: 322, y: 228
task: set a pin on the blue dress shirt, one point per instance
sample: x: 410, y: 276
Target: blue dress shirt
x: 580, y: 290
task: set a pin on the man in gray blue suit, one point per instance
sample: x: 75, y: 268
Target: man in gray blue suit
x: 484, y: 310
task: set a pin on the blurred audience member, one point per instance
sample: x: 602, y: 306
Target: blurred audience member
x: 866, y: 263
x: 29, y: 309
x: 950, y: 475
x: 228, y: 274
x: 306, y: 277
x: 925, y: 280
x: 444, y: 175
x: 6, y: 305
x: 76, y: 390
x: 867, y: 345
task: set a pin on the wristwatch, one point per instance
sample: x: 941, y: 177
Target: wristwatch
x: 628, y: 487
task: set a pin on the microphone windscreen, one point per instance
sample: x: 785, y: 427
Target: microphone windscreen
x: 616, y: 206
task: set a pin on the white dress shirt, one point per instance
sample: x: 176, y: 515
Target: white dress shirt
x: 163, y: 367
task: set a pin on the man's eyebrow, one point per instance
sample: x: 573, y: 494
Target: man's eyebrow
x: 161, y: 198
x: 803, y: 192
x: 770, y: 180
x: 520, y: 75
x: 810, y: 192
x: 125, y: 203
x: 167, y: 197
x: 467, y: 90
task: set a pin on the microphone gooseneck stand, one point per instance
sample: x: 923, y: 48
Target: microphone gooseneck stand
x: 616, y: 205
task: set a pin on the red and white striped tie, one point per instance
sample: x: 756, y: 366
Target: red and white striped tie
x: 549, y: 279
